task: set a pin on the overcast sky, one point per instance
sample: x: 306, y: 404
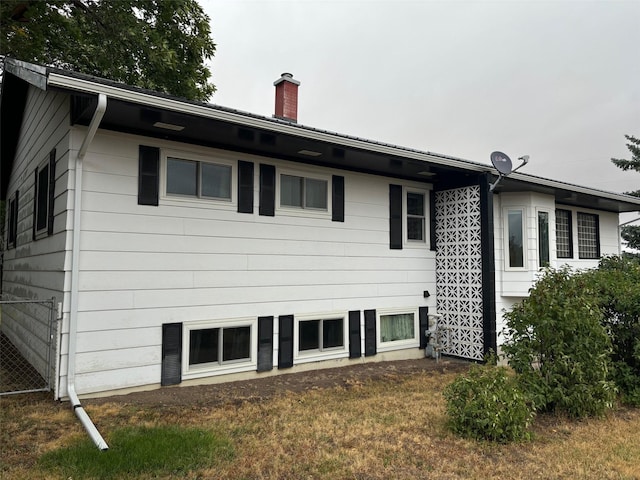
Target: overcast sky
x: 557, y: 80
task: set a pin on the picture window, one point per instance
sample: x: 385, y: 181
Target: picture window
x: 198, y: 179
x: 303, y: 192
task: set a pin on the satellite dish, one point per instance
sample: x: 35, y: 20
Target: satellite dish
x: 501, y: 162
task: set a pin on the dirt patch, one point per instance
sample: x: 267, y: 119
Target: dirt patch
x: 268, y: 387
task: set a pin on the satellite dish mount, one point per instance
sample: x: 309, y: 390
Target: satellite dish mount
x: 503, y: 165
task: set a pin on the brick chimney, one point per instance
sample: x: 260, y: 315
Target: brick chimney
x: 286, y: 97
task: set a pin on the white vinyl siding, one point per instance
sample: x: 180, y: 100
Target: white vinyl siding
x: 37, y: 269
x: 191, y: 260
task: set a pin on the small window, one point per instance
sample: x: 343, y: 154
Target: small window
x: 219, y: 345
x: 12, y: 217
x: 198, y: 179
x: 564, y: 234
x: 42, y: 198
x: 416, y: 217
x: 515, y: 233
x: 588, y: 236
x: 320, y: 335
x: 44, y: 183
x: 543, y: 239
x: 303, y: 192
x: 397, y: 327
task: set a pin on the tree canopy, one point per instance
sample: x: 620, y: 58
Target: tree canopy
x: 161, y: 45
x: 631, y: 233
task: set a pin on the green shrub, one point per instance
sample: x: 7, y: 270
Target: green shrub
x: 617, y: 283
x: 488, y: 403
x: 557, y: 344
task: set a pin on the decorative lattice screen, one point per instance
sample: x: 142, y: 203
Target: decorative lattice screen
x: 459, y: 270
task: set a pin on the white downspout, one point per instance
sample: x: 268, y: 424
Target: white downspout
x: 75, y: 285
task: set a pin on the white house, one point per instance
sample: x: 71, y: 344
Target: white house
x: 191, y: 243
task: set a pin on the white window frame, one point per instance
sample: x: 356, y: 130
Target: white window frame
x: 302, y: 211
x: 550, y: 219
x: 213, y: 159
x: 328, y: 353
x: 232, y: 366
x: 525, y: 239
x: 397, y: 344
x: 424, y: 243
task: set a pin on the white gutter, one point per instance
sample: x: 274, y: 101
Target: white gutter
x: 206, y: 111
x: 75, y: 281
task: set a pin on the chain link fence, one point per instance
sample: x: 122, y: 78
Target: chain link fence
x: 27, y: 333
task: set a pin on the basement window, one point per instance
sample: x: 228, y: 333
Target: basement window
x: 397, y: 328
x: 218, y: 346
x: 320, y: 335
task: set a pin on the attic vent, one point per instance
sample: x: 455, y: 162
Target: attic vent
x: 267, y: 139
x: 338, y: 153
x: 245, y: 134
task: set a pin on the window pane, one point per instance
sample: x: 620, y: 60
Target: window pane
x: 236, y: 343
x: 563, y: 234
x: 182, y: 176
x: 291, y: 191
x: 588, y: 236
x: 216, y: 181
x: 309, y: 335
x: 415, y: 228
x: 316, y: 193
x: 332, y: 333
x: 516, y: 252
x: 42, y: 198
x: 203, y: 346
x: 396, y: 327
x: 415, y: 204
x: 543, y: 238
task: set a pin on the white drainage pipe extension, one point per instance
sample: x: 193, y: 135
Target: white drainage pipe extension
x: 75, y: 271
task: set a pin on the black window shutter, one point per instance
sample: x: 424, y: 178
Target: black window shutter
x: 337, y: 200
x: 148, y: 175
x: 52, y: 188
x: 171, y: 373
x: 265, y: 344
x: 355, y: 351
x: 285, y: 341
x: 369, y: 333
x: 432, y: 220
x: 423, y: 322
x: 245, y: 187
x: 267, y: 190
x: 35, y: 205
x: 395, y: 217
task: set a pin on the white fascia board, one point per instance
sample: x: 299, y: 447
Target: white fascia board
x: 619, y: 197
x: 113, y: 92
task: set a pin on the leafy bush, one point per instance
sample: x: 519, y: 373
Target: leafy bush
x: 557, y: 344
x: 488, y: 403
x: 617, y: 283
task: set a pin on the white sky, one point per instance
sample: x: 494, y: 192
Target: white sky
x: 557, y: 80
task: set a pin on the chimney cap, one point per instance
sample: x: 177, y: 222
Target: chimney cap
x: 286, y: 77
